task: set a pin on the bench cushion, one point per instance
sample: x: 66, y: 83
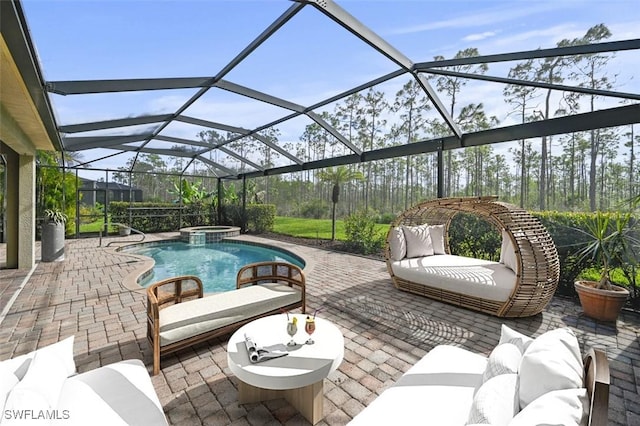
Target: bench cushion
x: 437, y: 390
x: 474, y: 277
x: 184, y: 320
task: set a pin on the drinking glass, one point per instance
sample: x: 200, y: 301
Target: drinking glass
x: 309, y: 328
x: 292, y: 329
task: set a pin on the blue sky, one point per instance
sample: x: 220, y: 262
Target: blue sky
x: 306, y: 61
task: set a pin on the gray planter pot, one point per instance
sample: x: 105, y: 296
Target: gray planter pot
x: 52, y: 244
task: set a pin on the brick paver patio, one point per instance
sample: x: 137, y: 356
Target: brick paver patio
x: 385, y: 331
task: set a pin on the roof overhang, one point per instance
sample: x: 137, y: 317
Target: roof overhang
x: 26, y: 119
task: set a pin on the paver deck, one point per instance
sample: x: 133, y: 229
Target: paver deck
x: 385, y: 330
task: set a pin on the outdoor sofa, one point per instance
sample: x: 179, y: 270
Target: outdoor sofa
x: 42, y: 387
x: 524, y: 381
x: 180, y: 315
x: 521, y: 284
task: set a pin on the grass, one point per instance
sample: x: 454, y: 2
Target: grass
x: 314, y: 228
x: 616, y: 275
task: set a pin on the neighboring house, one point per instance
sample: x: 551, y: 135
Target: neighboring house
x: 94, y: 192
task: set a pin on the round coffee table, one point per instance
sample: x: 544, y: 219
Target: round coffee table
x: 299, y: 376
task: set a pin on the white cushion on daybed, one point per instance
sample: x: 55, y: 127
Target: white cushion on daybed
x: 474, y: 277
x: 397, y: 243
x: 508, y: 253
x: 419, y: 242
x: 447, y: 374
x: 183, y: 320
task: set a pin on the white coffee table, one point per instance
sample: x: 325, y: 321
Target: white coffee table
x: 299, y: 376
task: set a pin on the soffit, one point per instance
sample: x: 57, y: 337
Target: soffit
x: 21, y: 127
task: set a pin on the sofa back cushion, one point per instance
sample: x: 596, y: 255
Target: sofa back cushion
x: 437, y: 238
x: 495, y: 402
x: 508, y: 253
x: 504, y: 359
x: 397, y: 243
x: 568, y: 407
x: 419, y: 241
x: 551, y: 362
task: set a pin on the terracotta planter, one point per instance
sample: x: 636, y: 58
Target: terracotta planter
x: 603, y: 305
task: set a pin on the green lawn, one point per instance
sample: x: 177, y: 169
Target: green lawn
x: 313, y: 228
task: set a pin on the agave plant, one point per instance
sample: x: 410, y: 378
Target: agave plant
x: 613, y: 243
x: 55, y: 216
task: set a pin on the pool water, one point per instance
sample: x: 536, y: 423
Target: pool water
x: 216, y: 264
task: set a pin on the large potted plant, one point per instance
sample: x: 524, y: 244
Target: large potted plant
x: 53, y: 229
x: 612, y: 244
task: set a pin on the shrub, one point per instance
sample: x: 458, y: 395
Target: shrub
x: 472, y: 236
x: 361, y: 233
x: 314, y: 209
x: 260, y: 217
x: 386, y: 218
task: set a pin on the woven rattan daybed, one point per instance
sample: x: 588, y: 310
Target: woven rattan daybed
x: 520, y: 285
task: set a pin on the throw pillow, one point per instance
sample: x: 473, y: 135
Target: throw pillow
x: 39, y: 390
x: 495, y: 401
x: 437, y: 238
x: 508, y: 253
x: 397, y: 243
x: 24, y: 402
x: 551, y: 362
x: 7, y: 381
x: 504, y: 359
x: 64, y: 349
x: 562, y: 407
x: 46, y: 376
x: 419, y: 241
x: 508, y: 335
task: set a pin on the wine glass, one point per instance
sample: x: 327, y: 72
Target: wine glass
x: 309, y: 328
x: 292, y: 329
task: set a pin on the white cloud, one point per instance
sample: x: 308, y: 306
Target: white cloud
x: 480, y: 36
x: 475, y: 19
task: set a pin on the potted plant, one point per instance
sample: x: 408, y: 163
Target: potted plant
x: 53, y: 229
x: 612, y: 244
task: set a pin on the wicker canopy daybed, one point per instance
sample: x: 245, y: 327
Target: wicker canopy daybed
x: 535, y: 267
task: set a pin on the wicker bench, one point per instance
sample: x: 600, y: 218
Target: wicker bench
x: 520, y: 285
x: 179, y: 316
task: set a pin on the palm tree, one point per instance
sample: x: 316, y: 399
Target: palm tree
x: 337, y: 176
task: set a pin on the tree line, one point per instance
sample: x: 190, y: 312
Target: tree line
x: 581, y: 171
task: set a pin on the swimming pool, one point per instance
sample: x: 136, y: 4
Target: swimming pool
x: 216, y: 264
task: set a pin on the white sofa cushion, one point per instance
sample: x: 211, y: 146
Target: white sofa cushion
x: 7, y: 381
x: 509, y: 335
x: 474, y: 277
x: 562, y: 407
x: 437, y: 238
x: 183, y: 320
x: 504, y: 359
x: 495, y: 402
x: 397, y: 243
x: 419, y: 241
x: 115, y: 394
x: 508, y: 253
x: 437, y: 390
x: 63, y: 349
x: 39, y: 390
x: 551, y: 362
